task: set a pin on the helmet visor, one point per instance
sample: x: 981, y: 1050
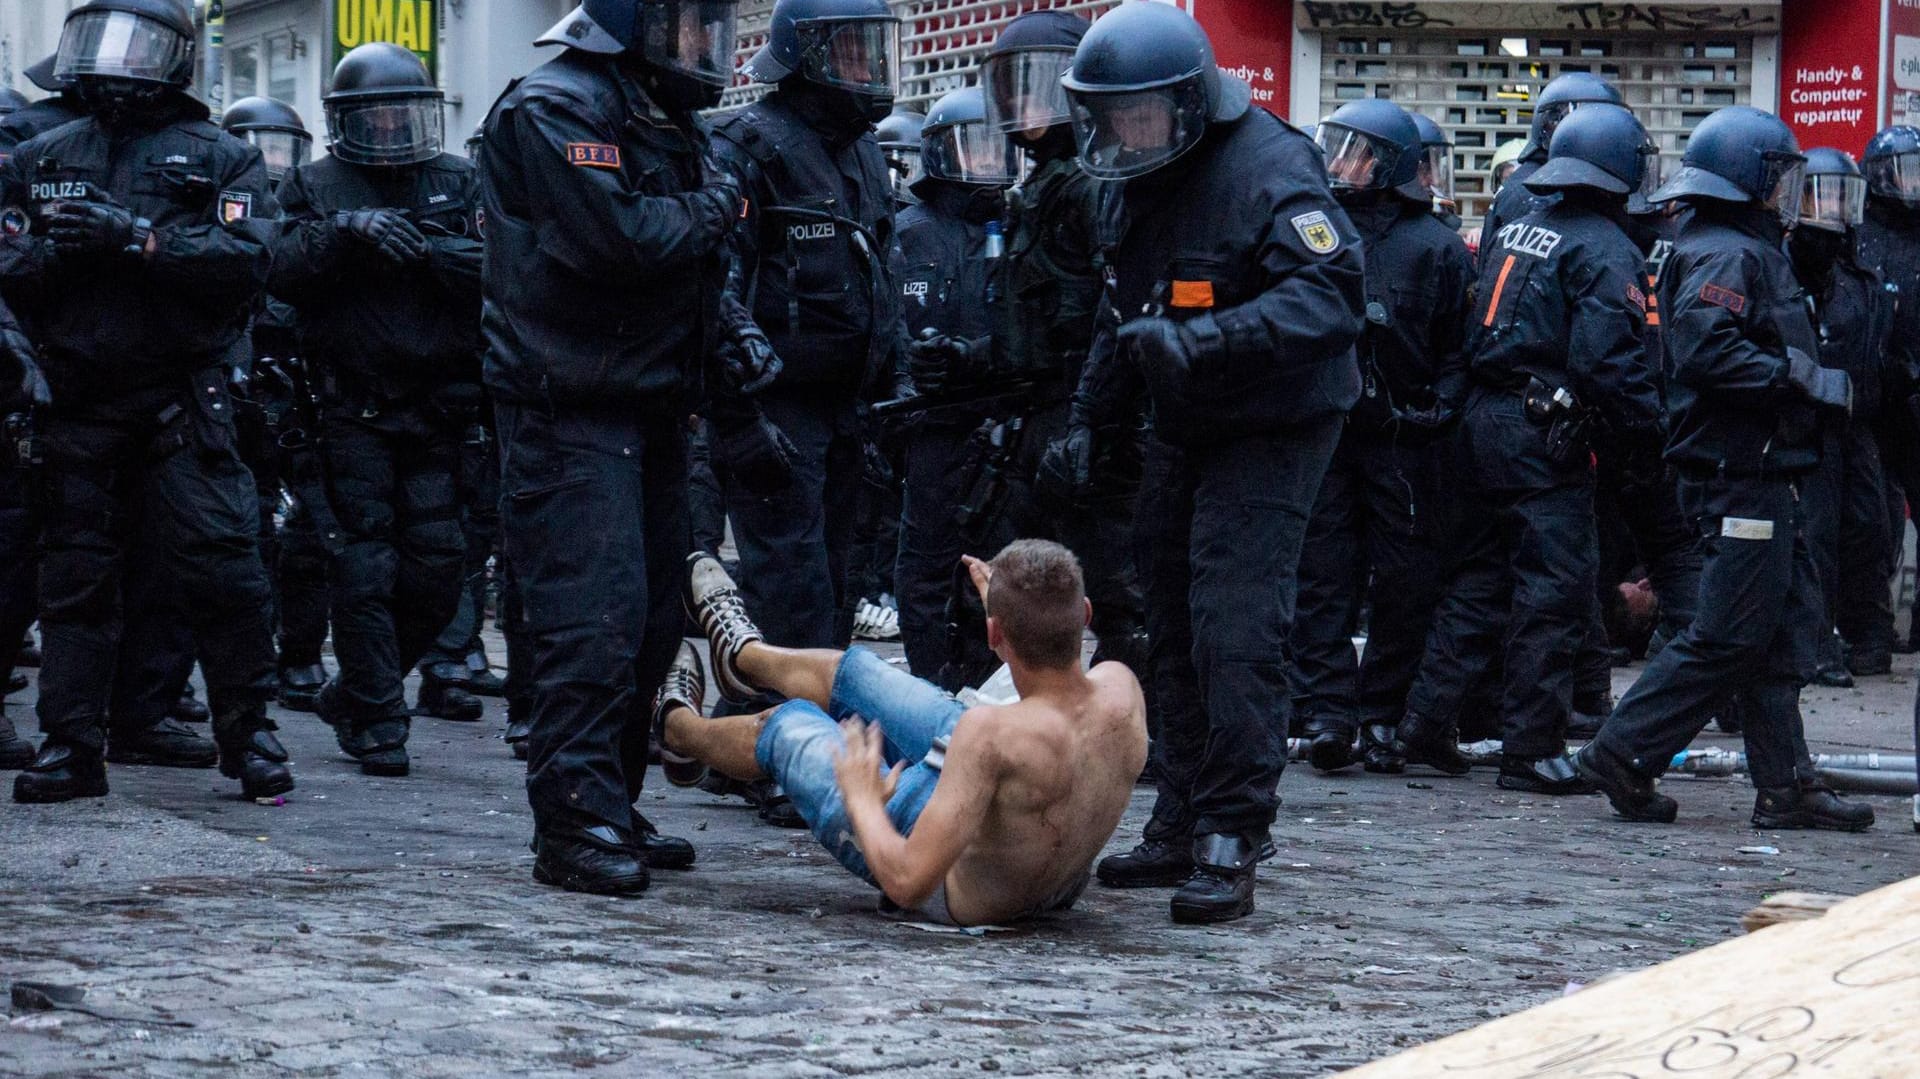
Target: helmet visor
x: 1130, y: 134
x: 1896, y: 176
x: 1835, y: 203
x: 1785, y: 175
x: 971, y: 153
x: 121, y: 44
x: 1355, y: 159
x: 905, y: 169
x: 1024, y: 91
x: 1548, y: 117
x: 283, y: 150
x: 862, y: 56
x: 1436, y: 172
x: 386, y: 131
x: 692, y: 37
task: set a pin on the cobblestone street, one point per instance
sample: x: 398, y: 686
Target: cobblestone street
x: 389, y: 927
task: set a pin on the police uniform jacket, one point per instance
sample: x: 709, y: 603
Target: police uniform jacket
x: 383, y: 332
x: 1730, y: 309
x: 1853, y: 318
x: 1242, y: 242
x: 1512, y: 202
x: 817, y: 244
x: 1051, y: 272
x: 1889, y: 243
x: 1561, y: 298
x: 605, y: 262
x: 1418, y: 277
x: 943, y: 263
x: 114, y: 324
x: 35, y: 119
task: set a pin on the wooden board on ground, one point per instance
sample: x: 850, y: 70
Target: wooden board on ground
x: 1836, y: 997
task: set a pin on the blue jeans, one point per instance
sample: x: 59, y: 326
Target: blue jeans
x: 799, y: 741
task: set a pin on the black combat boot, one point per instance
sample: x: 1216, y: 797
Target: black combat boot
x: 380, y: 747
x: 167, y: 744
x: 1329, y: 744
x: 188, y: 709
x: 444, y: 695
x: 299, y: 686
x: 482, y: 681
x: 15, y: 751
x: 1221, y: 888
x: 598, y: 860
x: 1808, y: 805
x: 1541, y: 775
x: 1631, y: 790
x: 1589, y: 712
x: 1423, y: 741
x: 61, y: 773
x: 660, y: 851
x: 518, y: 728
x: 1377, y: 752
x: 1164, y: 859
x: 249, y: 752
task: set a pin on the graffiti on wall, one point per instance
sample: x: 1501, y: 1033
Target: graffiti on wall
x: 1585, y: 16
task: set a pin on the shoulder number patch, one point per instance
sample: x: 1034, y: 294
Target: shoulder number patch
x: 235, y: 206
x: 1316, y: 232
x: 1637, y: 298
x: 593, y: 155
x: 1723, y: 297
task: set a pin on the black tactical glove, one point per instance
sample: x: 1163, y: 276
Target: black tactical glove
x: 875, y: 468
x: 754, y: 452
x: 937, y: 361
x: 398, y: 240
x: 89, y: 227
x: 721, y: 193
x: 747, y: 359
x: 1824, y: 386
x: 19, y: 368
x: 1431, y: 420
x: 1066, y: 471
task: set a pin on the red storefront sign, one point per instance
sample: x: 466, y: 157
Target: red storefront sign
x: 1830, y: 71
x: 1252, y: 39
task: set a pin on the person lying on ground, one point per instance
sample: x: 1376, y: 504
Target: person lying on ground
x: 967, y: 816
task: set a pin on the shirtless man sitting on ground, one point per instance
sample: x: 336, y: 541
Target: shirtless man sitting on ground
x: 967, y: 816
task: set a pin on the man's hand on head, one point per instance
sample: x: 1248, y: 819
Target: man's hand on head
x: 860, y: 767
x: 982, y: 574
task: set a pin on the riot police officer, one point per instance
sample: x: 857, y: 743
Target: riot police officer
x: 608, y: 236
x: 61, y: 105
x: 814, y: 273
x: 138, y: 282
x: 17, y: 366
x: 1555, y: 349
x: 379, y: 256
x: 1237, y: 289
x: 899, y: 139
x: 1557, y: 100
x: 1745, y: 399
x: 1374, y: 525
x: 1889, y: 240
x: 1436, y: 168
x: 11, y: 101
x: 943, y: 275
x: 1846, y: 500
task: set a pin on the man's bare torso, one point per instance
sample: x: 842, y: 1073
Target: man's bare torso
x: 1065, y: 772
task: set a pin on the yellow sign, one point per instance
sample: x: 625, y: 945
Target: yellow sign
x: 410, y: 24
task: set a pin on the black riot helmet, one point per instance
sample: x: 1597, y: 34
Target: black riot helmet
x: 1833, y: 191
x: 1022, y: 70
x: 1892, y: 164
x: 41, y: 75
x: 275, y: 128
x: 145, y: 41
x: 1557, y: 99
x: 383, y: 108
x: 1599, y: 148
x: 899, y: 138
x: 476, y: 140
x: 11, y: 100
x: 957, y: 145
x: 851, y: 45
x: 1740, y: 155
x: 1370, y: 145
x: 1435, y: 173
x: 1144, y: 87
x: 688, y: 42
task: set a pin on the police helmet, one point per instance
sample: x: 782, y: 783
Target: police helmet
x: 957, y: 145
x: 1740, y: 154
x: 1435, y: 173
x: 1559, y: 98
x: 1892, y: 164
x: 476, y: 140
x: 383, y: 108
x: 1143, y: 87
x: 1022, y: 71
x: 899, y: 138
x: 275, y: 128
x: 690, y: 38
x: 1598, y: 148
x: 1506, y: 158
x: 1834, y: 193
x: 1370, y: 145
x: 41, y: 75
x: 848, y: 44
x: 143, y: 41
x: 11, y: 100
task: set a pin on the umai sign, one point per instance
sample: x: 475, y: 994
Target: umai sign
x: 411, y: 24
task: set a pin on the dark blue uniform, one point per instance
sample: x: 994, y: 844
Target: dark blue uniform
x: 605, y: 264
